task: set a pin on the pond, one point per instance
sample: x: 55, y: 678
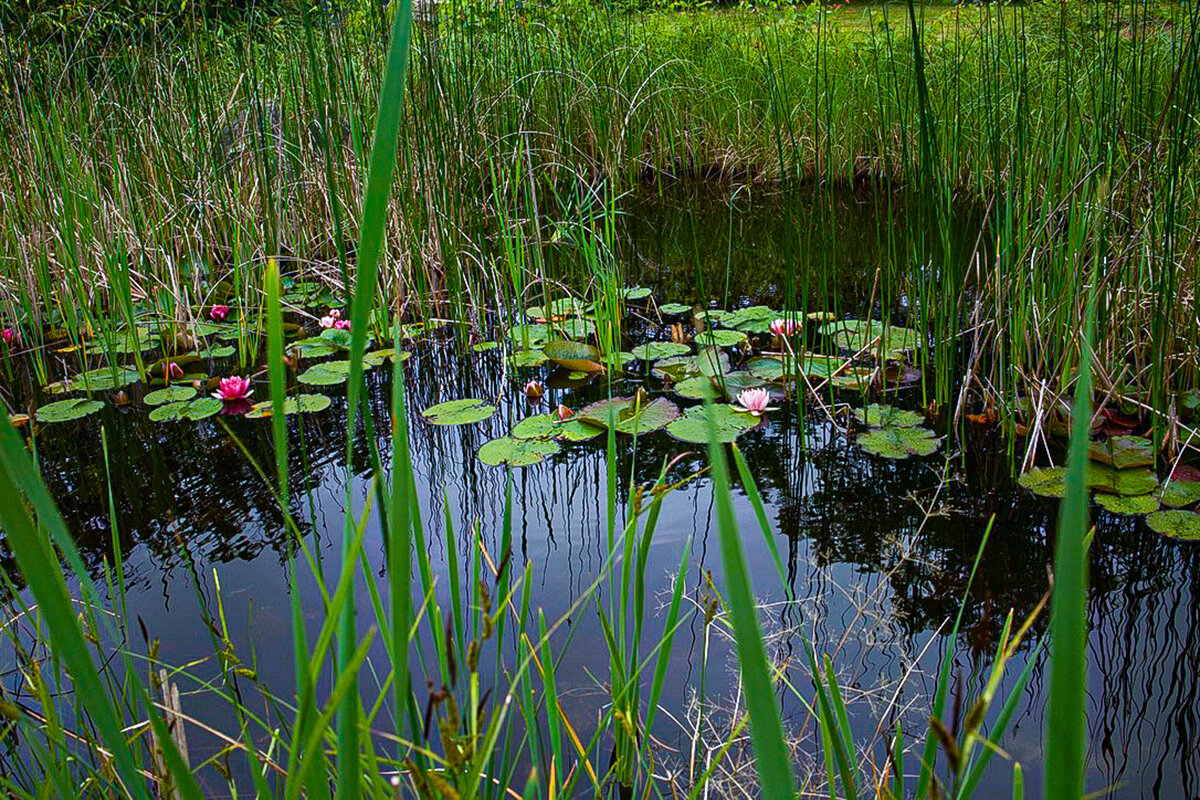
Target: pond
x: 877, y: 551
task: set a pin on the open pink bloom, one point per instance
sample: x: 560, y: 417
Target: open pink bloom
x: 172, y: 371
x: 327, y: 322
x: 336, y: 313
x: 783, y: 327
x: 233, y: 388
x: 218, y: 313
x: 341, y: 324
x: 756, y: 401
x: 10, y: 336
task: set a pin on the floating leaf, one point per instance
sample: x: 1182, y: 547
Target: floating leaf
x: 540, y: 426
x: 1128, y: 482
x: 195, y: 410
x: 562, y: 307
x: 713, y: 362
x: 171, y: 394
x: 652, y: 351
x: 734, y: 383
x: 1176, y: 524
x: 1179, y: 494
x: 534, y: 335
x: 98, y: 380
x: 517, y: 452
x: 775, y: 368
x: 697, y: 387
x: 755, y: 319
x: 628, y: 416
x: 636, y: 293
x: 66, y: 410
x: 853, y: 379
x: 674, y: 369
x: 693, y: 426
x: 219, y: 351
x: 527, y: 358
x: 856, y: 334
x: 618, y: 360
x: 880, y: 416
x: 674, y: 308
x: 576, y: 328
x: 1046, y: 481
x: 576, y: 356
x: 329, y: 373
x: 1123, y: 452
x: 483, y: 347
x: 338, y: 337
x: 315, y: 347
x: 459, y: 412
x: 296, y: 404
x: 720, y: 337
x: 376, y: 358
x: 577, y: 430
x: 1142, y: 504
x: 895, y: 442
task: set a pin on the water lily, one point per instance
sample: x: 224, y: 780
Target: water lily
x: 10, y: 336
x: 341, y: 324
x: 326, y: 321
x: 172, y: 371
x: 333, y: 319
x: 755, y: 401
x: 564, y: 413
x: 233, y: 388
x: 534, y: 391
x: 783, y: 328
x: 218, y: 313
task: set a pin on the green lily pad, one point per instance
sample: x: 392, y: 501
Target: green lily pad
x: 734, y: 383
x: 328, y: 373
x: 198, y: 409
x: 618, y: 360
x: 1046, y: 481
x: 652, y: 351
x: 1142, y: 504
x: 627, y: 416
x: 1123, y: 452
x: 697, y: 387
x: 67, y: 410
x: 338, y: 337
x: 577, y: 430
x: 852, y: 379
x: 896, y: 442
x: 720, y: 337
x: 539, y: 426
x: 562, y: 307
x: 376, y: 358
x: 576, y: 328
x: 517, y: 452
x: 483, y: 347
x: 532, y: 335
x: 729, y: 424
x: 218, y: 351
x: 880, y: 416
x: 755, y: 319
x: 1179, y: 494
x: 636, y: 293
x: 1127, y: 482
x: 575, y: 356
x: 315, y: 347
x: 674, y: 308
x: 459, y: 412
x: 102, y: 379
x: 171, y: 394
x: 674, y: 369
x: 1176, y: 524
x: 528, y: 358
x: 856, y: 334
x: 296, y: 404
x: 713, y: 362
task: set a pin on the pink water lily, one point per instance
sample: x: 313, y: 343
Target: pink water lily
x: 233, y: 388
x: 755, y: 401
x: 341, y: 324
x: 218, y: 313
x: 333, y: 319
x: 783, y: 327
x: 534, y: 391
x: 172, y: 371
x: 10, y: 336
x: 326, y: 322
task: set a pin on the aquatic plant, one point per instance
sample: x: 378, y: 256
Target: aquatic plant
x: 218, y: 313
x: 233, y: 389
x: 755, y: 401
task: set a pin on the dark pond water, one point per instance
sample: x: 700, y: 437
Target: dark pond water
x: 878, y: 551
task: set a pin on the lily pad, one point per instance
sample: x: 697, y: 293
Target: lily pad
x: 897, y: 442
x: 576, y: 356
x: 627, y: 416
x: 483, y: 347
x: 1142, y: 504
x: 1046, y: 481
x: 720, y: 337
x: 328, y: 373
x: 694, y: 426
x: 218, y: 351
x: 618, y: 360
x: 315, y: 347
x: 1127, y: 482
x: 338, y: 337
x: 713, y: 362
x: 528, y: 358
x: 652, y: 351
x: 562, y: 307
x: 517, y: 452
x: 296, y: 404
x: 1179, y: 494
x: 754, y: 319
x: 171, y: 394
x: 67, y: 410
x: 576, y: 328
x: 674, y: 369
x: 856, y: 334
x: 99, y: 380
x: 533, y: 335
x: 880, y: 416
x: 698, y: 387
x: 674, y: 308
x: 376, y: 358
x: 734, y: 383
x: 636, y: 293
x: 548, y: 426
x: 577, y: 430
x: 459, y: 412
x: 1176, y: 524
x: 1123, y: 452
x: 198, y: 409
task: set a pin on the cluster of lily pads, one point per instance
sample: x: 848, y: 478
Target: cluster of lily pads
x: 726, y: 362
x: 1121, y: 472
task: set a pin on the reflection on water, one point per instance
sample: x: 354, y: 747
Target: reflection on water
x: 878, y: 552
